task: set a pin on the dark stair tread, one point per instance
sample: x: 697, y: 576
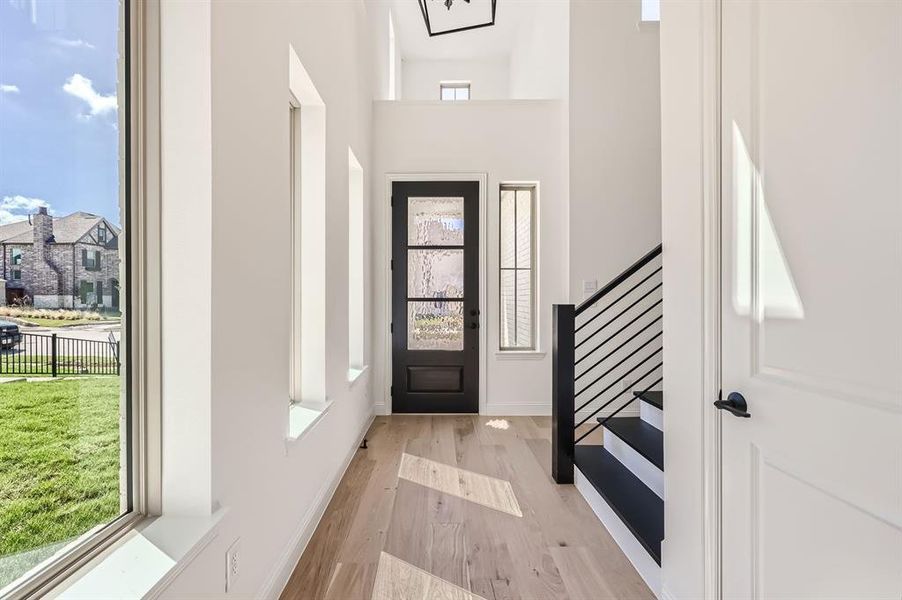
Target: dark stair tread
x: 656, y: 399
x: 642, y: 437
x: 640, y: 509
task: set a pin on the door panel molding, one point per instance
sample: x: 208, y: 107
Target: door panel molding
x: 385, y: 250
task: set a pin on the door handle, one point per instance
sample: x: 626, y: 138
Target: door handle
x: 474, y: 325
x: 734, y: 404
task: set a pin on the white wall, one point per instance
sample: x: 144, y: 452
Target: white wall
x: 615, y: 140
x: 489, y: 78
x: 378, y: 14
x: 540, y: 58
x: 684, y: 113
x: 270, y: 489
x: 510, y: 141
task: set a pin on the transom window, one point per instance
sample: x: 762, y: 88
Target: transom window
x: 517, y: 260
x: 455, y: 90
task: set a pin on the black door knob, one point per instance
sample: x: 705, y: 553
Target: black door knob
x: 734, y: 404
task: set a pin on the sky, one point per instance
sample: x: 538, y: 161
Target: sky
x: 59, y: 138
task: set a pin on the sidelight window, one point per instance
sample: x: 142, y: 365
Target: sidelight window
x: 516, y: 260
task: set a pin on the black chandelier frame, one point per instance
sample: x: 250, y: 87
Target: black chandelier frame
x: 424, y: 10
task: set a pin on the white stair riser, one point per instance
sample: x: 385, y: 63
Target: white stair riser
x: 640, y: 466
x: 652, y: 415
x: 643, y: 562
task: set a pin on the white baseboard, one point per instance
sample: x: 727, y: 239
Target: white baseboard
x: 381, y: 409
x: 289, y: 558
x: 643, y: 562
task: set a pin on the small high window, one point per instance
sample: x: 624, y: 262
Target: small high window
x: 651, y: 10
x: 101, y: 233
x: 16, y: 257
x: 455, y: 90
x: 517, y: 260
x: 16, y: 274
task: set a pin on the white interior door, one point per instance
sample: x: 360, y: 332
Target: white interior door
x: 812, y: 300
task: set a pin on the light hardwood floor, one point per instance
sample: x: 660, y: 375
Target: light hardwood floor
x: 449, y: 528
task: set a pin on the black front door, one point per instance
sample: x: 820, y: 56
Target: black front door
x: 435, y: 297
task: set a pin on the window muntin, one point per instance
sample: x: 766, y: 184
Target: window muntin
x: 516, y: 266
x: 454, y: 90
x: 16, y: 256
x: 68, y: 484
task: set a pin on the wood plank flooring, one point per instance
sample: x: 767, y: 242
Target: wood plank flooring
x: 450, y: 526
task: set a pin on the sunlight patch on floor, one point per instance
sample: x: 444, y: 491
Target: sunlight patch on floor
x: 399, y: 580
x: 481, y: 489
x: 503, y: 424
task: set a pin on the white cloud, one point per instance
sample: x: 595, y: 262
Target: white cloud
x: 17, y: 208
x: 81, y: 87
x: 67, y: 43
x: 8, y: 88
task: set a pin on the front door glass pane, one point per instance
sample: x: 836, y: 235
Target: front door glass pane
x: 435, y: 273
x: 435, y: 222
x: 435, y: 326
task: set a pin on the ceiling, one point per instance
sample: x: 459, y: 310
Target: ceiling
x: 486, y: 42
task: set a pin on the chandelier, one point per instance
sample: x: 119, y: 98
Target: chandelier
x: 470, y: 14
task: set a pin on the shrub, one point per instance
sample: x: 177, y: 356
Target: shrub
x: 26, y: 312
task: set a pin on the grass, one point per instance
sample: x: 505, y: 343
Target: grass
x: 42, y: 322
x: 15, y: 364
x: 59, y: 462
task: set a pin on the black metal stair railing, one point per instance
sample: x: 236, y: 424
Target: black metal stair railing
x: 597, y: 369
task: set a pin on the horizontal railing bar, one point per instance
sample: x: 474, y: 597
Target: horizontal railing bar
x: 618, y: 332
x: 622, y: 360
x: 621, y: 313
x: 608, y: 403
x: 612, y: 384
x: 622, y: 296
x: 618, y: 280
x: 631, y: 400
x: 618, y: 348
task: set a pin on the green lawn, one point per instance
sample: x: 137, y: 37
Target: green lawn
x: 58, y: 322
x: 37, y: 365
x: 59, y: 461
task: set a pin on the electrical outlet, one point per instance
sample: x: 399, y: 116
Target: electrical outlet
x: 233, y: 564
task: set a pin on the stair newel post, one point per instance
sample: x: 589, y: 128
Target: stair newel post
x: 562, y: 400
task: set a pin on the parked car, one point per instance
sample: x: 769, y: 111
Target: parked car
x: 9, y: 335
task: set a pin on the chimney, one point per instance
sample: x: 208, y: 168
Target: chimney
x: 43, y: 230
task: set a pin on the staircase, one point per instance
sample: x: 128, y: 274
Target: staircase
x: 608, y: 408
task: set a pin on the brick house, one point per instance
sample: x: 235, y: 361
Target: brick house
x: 61, y: 262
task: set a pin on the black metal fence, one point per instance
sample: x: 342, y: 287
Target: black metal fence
x: 56, y: 355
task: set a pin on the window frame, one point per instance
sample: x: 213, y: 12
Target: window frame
x: 102, y: 233
x: 15, y: 256
x: 455, y: 85
x: 533, y: 189
x: 15, y: 274
x: 140, y: 279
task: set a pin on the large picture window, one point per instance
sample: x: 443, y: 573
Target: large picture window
x: 516, y: 260
x: 67, y: 452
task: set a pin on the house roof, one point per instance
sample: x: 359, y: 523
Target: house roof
x: 66, y: 230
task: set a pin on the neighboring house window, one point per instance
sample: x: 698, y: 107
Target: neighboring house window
x: 356, y: 298
x: 517, y: 259
x: 651, y: 10
x: 455, y: 90
x: 101, y: 233
x: 99, y: 292
x: 17, y: 256
x: 90, y: 259
x: 86, y: 292
x: 82, y: 479
x: 16, y: 274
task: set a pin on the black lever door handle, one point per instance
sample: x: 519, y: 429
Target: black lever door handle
x: 735, y: 404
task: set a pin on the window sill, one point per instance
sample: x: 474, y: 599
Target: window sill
x: 648, y: 25
x: 355, y: 374
x: 302, y: 417
x: 145, y: 560
x: 519, y: 355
